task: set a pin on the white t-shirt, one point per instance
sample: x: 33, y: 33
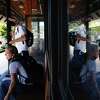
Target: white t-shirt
x: 21, y: 46
x: 81, y: 45
x: 16, y: 67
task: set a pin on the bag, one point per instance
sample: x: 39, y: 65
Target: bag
x: 33, y: 69
x: 29, y: 38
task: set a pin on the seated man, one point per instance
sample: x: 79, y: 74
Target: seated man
x: 15, y: 84
x: 88, y: 73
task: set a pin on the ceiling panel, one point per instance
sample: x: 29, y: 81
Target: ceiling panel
x: 26, y: 7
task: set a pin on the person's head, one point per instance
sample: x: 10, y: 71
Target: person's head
x: 11, y: 52
x: 93, y: 51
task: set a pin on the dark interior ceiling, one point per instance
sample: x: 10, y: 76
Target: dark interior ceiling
x: 2, y: 8
x: 77, y: 8
x: 27, y: 7
x: 84, y: 8
x: 21, y: 8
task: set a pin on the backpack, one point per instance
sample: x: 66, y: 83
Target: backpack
x: 29, y: 38
x: 33, y: 69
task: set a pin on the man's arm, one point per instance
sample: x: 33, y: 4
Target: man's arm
x: 22, y: 38
x: 79, y: 37
x: 12, y: 86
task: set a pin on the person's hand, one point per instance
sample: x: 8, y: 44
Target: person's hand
x: 6, y: 98
x: 11, y: 42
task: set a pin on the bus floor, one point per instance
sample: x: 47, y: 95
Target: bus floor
x: 35, y: 94
x: 78, y: 93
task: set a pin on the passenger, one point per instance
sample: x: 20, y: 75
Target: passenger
x: 20, y: 37
x: 15, y: 84
x: 88, y: 73
x: 79, y: 53
x: 80, y: 45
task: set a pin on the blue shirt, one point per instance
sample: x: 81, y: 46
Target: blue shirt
x: 87, y: 70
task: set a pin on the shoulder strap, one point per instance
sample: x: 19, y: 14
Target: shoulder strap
x: 10, y: 61
x: 20, y: 76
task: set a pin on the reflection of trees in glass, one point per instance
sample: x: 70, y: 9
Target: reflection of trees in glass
x: 95, y: 29
x: 73, y: 25
x: 94, y: 25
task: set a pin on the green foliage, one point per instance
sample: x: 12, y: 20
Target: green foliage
x: 73, y: 25
x: 3, y: 30
x: 3, y: 34
x: 96, y: 29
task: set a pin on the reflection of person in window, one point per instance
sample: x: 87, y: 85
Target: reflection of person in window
x: 89, y: 80
x: 80, y: 45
